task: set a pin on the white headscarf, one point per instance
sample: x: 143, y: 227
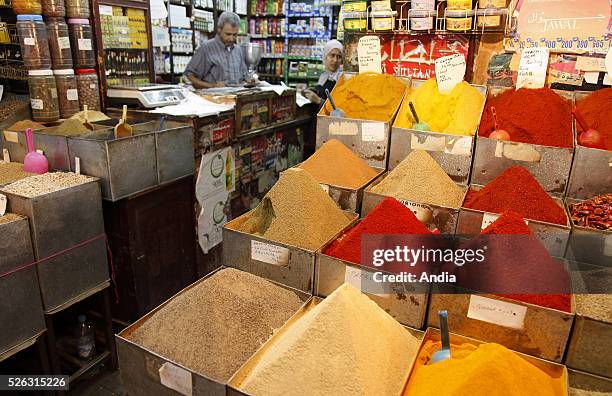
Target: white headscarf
x: 326, y: 75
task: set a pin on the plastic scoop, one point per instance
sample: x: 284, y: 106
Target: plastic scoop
x: 445, y: 352
x: 588, y: 137
x: 498, y: 133
x: 419, y: 126
x: 123, y: 129
x: 87, y: 124
x: 336, y: 112
x: 34, y: 162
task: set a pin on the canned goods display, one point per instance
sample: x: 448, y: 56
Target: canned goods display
x: 33, y: 41
x: 67, y: 92
x: 81, y: 41
x: 43, y: 96
x: 89, y: 88
x: 59, y: 43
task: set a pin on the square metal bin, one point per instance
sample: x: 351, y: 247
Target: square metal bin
x: 67, y: 231
x: 549, y: 165
x: 21, y: 315
x: 140, y: 367
x: 554, y: 237
x: 367, y: 138
x: 588, y: 245
x: 585, y: 382
x: 433, y: 216
x: 173, y: 147
x: 125, y: 166
x: 286, y: 264
x: 452, y: 152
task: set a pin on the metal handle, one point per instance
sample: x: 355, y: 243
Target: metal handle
x: 331, y: 100
x: 444, y: 329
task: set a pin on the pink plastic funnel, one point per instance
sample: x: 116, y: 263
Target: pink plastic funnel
x: 34, y: 162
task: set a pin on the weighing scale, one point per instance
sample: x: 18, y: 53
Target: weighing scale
x: 148, y: 96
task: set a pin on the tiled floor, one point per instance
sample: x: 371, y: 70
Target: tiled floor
x: 103, y: 384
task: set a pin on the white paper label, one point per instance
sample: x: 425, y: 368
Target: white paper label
x: 498, y: 312
x: 488, y: 219
x: 1, y: 91
x: 271, y: 254
x: 72, y: 94
x: 176, y: 378
x: 84, y: 44
x: 608, y: 61
x: 63, y: 42
x: 607, y: 249
x: 421, y: 211
x: 363, y: 280
x: 344, y: 128
x: 12, y: 137
x: 373, y: 132
x: 607, y: 79
x: 517, y: 151
x: 29, y: 41
x: 40, y: 152
x: 368, y: 53
x: 77, y: 165
x: 106, y: 10
x: 427, y: 142
x: 2, y: 205
x: 589, y: 63
x: 54, y: 93
x: 532, y: 68
x: 6, y: 157
x: 591, y: 77
x: 459, y: 146
x: 325, y: 188
x: 450, y: 71
x: 92, y: 86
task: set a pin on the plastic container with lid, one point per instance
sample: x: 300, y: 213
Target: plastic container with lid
x: 459, y: 20
x: 421, y: 20
x: 43, y: 96
x: 423, y: 5
x: 77, y: 8
x: 33, y: 40
x: 81, y: 41
x: 27, y: 7
x: 67, y: 92
x: 89, y: 88
x: 59, y: 43
x: 459, y: 4
x: 53, y: 8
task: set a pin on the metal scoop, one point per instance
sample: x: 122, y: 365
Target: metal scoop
x: 445, y: 352
x: 123, y: 129
x: 419, y: 126
x: 87, y: 124
x: 336, y: 112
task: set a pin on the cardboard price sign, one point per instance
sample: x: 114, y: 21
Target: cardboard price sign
x: 450, y: 71
x: 532, y: 68
x: 368, y: 53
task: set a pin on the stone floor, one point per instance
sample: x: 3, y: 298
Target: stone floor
x: 104, y: 383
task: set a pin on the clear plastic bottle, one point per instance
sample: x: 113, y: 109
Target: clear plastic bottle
x: 43, y: 96
x: 89, y: 88
x: 87, y: 341
x: 81, y: 41
x: 33, y: 40
x: 77, y: 8
x: 53, y: 8
x: 67, y: 92
x: 59, y: 43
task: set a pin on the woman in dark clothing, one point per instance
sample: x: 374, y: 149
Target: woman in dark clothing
x: 333, y: 54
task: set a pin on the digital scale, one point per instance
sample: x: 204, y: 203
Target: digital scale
x: 148, y: 96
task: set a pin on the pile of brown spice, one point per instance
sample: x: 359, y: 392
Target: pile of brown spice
x: 12, y: 171
x: 9, y: 217
x: 70, y: 127
x: 335, y: 164
x: 214, y: 327
x: 297, y: 212
x: 21, y: 126
x: 595, y: 306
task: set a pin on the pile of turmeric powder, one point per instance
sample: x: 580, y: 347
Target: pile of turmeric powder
x: 456, y: 113
x: 368, y: 96
x: 489, y: 369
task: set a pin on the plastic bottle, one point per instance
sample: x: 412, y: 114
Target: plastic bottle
x: 87, y: 344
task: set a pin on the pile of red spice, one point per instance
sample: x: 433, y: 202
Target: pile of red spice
x: 536, y: 116
x: 388, y: 217
x: 595, y: 109
x: 518, y: 263
x: 516, y: 189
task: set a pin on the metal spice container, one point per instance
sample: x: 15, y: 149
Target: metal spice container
x: 77, y: 8
x: 59, y: 43
x: 89, y: 88
x: 43, y: 96
x: 33, y: 41
x: 53, y: 8
x: 81, y: 41
x: 67, y: 92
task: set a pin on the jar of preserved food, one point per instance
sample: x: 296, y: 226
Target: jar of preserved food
x: 43, y: 96
x: 59, y: 43
x: 89, y: 88
x: 67, y: 92
x: 81, y: 42
x: 33, y: 40
x: 459, y: 20
x: 77, y: 9
x: 27, y: 7
x: 53, y: 8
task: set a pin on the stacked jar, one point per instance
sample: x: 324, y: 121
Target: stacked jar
x: 459, y: 15
x: 67, y: 92
x: 491, y: 13
x: 43, y: 96
x: 77, y: 9
x: 27, y: 7
x: 89, y: 88
x: 33, y: 41
x: 59, y: 43
x: 81, y: 38
x: 53, y: 8
x: 422, y: 13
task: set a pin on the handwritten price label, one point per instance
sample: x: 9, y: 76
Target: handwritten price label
x: 368, y: 52
x: 497, y: 312
x: 450, y: 71
x: 532, y: 68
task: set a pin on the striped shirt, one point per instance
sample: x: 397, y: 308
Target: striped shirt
x: 214, y: 62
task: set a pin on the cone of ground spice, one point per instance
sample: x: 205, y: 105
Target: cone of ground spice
x: 419, y: 178
x: 595, y: 109
x: 21, y: 126
x: 516, y: 189
x: 12, y: 171
x: 536, y: 116
x: 335, y: 164
x: 297, y: 212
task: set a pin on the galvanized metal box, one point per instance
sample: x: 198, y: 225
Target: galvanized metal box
x: 125, y: 166
x: 22, y: 313
x: 67, y: 231
x: 554, y: 237
x: 544, y: 332
x: 549, y: 165
x: 367, y: 138
x: 140, y: 367
x: 589, y: 384
x: 452, y: 152
x: 591, y: 174
x: 433, y: 216
x: 588, y: 245
x: 286, y: 264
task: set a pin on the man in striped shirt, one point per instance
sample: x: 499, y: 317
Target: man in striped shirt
x: 219, y: 61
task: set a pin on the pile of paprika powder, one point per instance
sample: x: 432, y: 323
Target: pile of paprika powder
x: 595, y: 109
x: 535, y: 116
x: 516, y: 189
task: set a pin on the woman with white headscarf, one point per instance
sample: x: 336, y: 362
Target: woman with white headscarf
x: 333, y: 54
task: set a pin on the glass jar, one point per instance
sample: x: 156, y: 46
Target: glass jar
x: 77, y: 9
x: 53, y: 8
x: 27, y: 7
x: 43, y: 96
x: 89, y: 88
x: 33, y: 40
x: 59, y: 43
x: 67, y: 92
x: 81, y: 42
